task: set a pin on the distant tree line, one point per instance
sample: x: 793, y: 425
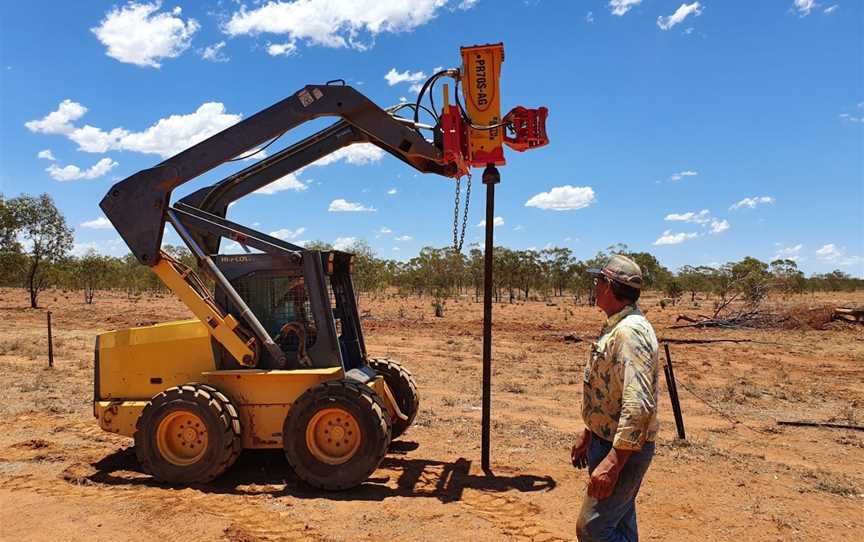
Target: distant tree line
x: 36, y: 253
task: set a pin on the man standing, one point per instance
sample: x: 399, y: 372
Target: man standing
x: 619, y: 407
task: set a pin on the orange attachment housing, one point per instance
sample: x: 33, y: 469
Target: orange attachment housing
x: 481, y: 71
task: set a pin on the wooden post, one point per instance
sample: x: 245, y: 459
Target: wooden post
x: 673, y: 393
x: 50, y: 343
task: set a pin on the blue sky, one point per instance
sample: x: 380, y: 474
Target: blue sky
x: 699, y: 131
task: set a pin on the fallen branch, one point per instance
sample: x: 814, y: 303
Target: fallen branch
x: 706, y: 341
x: 820, y: 424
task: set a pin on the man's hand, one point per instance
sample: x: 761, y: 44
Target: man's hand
x: 605, y: 475
x: 579, y: 453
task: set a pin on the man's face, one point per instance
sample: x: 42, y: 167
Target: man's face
x: 602, y: 290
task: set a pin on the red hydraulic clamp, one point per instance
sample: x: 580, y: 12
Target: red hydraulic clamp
x: 528, y: 127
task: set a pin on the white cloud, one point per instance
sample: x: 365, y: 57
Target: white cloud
x: 340, y: 205
x: 391, y: 192
x: 804, y: 7
x: 751, y: 203
x: 100, y: 223
x: 286, y: 234
x: 415, y: 88
x: 394, y: 78
x: 702, y: 217
x: 395, y: 249
x: 620, y: 7
x: 835, y: 255
x: 214, y: 53
x: 563, y: 198
x: 681, y: 174
x: 166, y: 137
x: 136, y: 34
x: 342, y: 243
x: 831, y: 9
x: 851, y: 118
x: 383, y: 231
x: 403, y: 238
x: 669, y: 238
x: 60, y: 121
x: 498, y: 221
x: 46, y: 155
x: 789, y: 253
x: 282, y: 49
x: 519, y: 227
x: 719, y: 226
x: 467, y: 4
x: 288, y: 182
x: 683, y: 11
x: 333, y: 24
x: 73, y: 173
x: 359, y: 154
x: 589, y: 18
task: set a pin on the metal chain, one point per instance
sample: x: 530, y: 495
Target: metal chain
x: 459, y: 238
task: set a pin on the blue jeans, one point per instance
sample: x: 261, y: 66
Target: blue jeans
x: 614, y: 518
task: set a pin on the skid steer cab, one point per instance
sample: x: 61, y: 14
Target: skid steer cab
x: 275, y: 357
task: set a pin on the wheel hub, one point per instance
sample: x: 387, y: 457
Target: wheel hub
x: 181, y: 438
x: 333, y: 436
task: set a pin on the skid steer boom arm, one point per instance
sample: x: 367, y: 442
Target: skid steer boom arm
x: 137, y: 205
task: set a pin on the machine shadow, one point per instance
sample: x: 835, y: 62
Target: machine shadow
x: 266, y: 472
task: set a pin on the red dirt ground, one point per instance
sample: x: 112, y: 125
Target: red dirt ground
x: 739, y: 476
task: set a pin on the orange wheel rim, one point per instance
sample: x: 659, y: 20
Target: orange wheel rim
x: 333, y: 436
x: 181, y: 438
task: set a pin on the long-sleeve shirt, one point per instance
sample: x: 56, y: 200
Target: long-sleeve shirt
x: 620, y: 391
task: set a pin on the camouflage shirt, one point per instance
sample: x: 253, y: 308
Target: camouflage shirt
x: 619, y: 392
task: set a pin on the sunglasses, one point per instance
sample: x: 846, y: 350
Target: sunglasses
x: 599, y: 279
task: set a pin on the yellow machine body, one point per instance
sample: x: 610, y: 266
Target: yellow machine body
x: 134, y: 365
x: 481, y: 72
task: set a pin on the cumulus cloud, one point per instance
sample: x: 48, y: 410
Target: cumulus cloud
x: 681, y: 174
x: 789, y: 253
x: 719, y: 226
x: 340, y: 205
x: 620, y: 7
x: 589, y: 18
x: 391, y: 192
x: 831, y: 9
x: 702, y: 217
x: 394, y: 78
x: 59, y: 121
x: 74, y: 173
x: 166, y: 137
x: 563, y: 198
x: 804, y: 7
x: 669, y: 238
x: 333, y: 24
x: 343, y: 243
x: 359, y: 154
x: 46, y: 155
x: 497, y: 221
x: 683, y: 11
x: 137, y: 34
x: 281, y: 49
x: 835, y: 255
x: 403, y: 238
x: 100, y: 223
x: 214, y: 53
x: 288, y: 182
x: 287, y: 234
x: 751, y: 203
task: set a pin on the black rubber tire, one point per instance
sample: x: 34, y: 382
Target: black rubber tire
x: 372, y: 419
x: 223, y: 433
x: 404, y: 389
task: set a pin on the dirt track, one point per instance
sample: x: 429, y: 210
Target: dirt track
x: 61, y: 478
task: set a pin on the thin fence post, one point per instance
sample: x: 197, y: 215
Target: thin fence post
x: 50, y: 343
x: 673, y: 393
